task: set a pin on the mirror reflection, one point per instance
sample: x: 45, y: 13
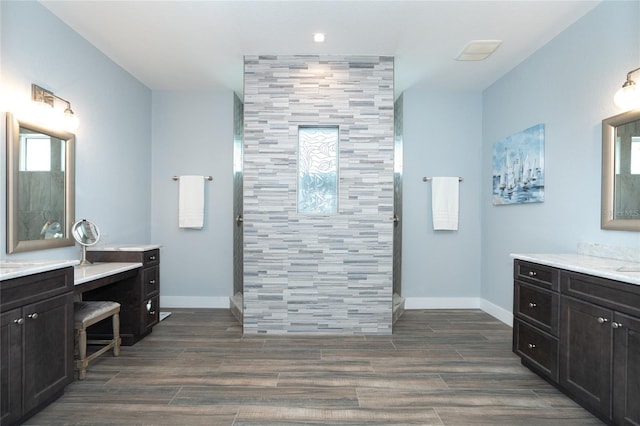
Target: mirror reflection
x: 621, y: 172
x: 40, y: 187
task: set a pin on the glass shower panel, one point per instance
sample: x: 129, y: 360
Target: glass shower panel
x: 318, y: 170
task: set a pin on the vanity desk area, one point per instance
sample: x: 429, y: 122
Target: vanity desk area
x: 138, y: 292
x: 577, y: 324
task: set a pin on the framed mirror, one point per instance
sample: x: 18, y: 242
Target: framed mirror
x: 40, y: 187
x: 621, y: 172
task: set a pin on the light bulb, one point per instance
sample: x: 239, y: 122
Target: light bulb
x: 628, y: 97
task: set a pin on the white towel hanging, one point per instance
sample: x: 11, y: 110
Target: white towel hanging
x: 191, y: 202
x: 445, y: 203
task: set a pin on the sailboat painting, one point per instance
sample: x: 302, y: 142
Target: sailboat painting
x: 518, y: 167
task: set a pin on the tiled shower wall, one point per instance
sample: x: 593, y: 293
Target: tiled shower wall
x: 307, y: 273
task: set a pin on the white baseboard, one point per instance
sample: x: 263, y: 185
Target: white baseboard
x: 409, y: 303
x: 193, y: 302
x: 497, y: 312
x: 460, y: 303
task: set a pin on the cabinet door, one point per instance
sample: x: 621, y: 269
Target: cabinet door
x: 11, y: 364
x: 150, y: 314
x: 48, y: 349
x: 586, y: 353
x: 626, y: 370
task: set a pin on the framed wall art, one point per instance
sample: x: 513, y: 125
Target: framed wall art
x: 518, y: 167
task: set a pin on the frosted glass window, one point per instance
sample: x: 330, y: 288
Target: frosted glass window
x: 318, y: 170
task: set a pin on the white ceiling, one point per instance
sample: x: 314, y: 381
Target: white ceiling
x: 200, y: 44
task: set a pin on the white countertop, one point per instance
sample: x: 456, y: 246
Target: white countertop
x: 94, y: 271
x: 124, y: 247
x: 619, y: 270
x: 16, y: 268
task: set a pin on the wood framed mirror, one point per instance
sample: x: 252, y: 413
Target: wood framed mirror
x: 40, y: 186
x: 621, y: 172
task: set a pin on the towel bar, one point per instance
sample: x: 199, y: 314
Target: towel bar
x: 427, y: 179
x: 204, y: 177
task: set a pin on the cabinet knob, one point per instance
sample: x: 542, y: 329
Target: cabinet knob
x: 532, y: 273
x: 152, y: 281
x: 152, y: 258
x: 531, y: 346
x: 532, y: 305
x: 602, y: 320
x: 19, y: 321
x: 616, y: 325
x: 33, y: 315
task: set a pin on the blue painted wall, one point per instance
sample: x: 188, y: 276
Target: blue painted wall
x: 442, y: 137
x: 193, y: 135
x: 113, y: 143
x: 568, y: 85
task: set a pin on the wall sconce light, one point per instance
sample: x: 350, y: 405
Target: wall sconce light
x: 628, y: 97
x: 47, y: 112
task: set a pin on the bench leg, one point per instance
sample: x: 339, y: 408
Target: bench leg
x: 116, y: 334
x: 81, y: 362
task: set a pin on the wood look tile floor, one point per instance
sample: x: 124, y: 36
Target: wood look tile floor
x: 440, y: 367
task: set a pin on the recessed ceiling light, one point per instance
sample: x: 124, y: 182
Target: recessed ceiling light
x: 478, y: 50
x: 318, y: 37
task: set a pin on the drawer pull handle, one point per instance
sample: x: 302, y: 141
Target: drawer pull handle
x: 152, y: 258
x: 33, y: 315
x: 616, y: 325
x: 152, y: 282
x: 532, y: 305
x: 602, y: 320
x: 152, y: 312
x: 532, y: 273
x: 19, y: 321
x: 531, y: 346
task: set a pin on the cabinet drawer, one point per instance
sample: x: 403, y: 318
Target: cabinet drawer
x: 150, y: 282
x: 31, y: 288
x: 538, y: 349
x: 539, y: 275
x: 537, y: 306
x: 151, y: 257
x: 622, y: 297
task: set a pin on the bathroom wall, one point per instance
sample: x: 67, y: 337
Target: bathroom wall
x: 311, y: 273
x: 568, y: 85
x: 193, y: 135
x: 113, y: 143
x: 442, y: 137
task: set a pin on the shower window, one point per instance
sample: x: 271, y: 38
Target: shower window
x: 318, y: 169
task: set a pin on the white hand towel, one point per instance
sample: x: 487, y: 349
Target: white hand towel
x: 445, y: 203
x: 191, y: 202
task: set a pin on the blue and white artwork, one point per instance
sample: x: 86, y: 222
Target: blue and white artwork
x: 518, y: 167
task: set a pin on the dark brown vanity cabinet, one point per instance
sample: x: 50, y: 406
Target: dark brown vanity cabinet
x: 143, y: 300
x: 36, y: 342
x: 595, y: 345
x: 535, y: 325
x: 600, y: 345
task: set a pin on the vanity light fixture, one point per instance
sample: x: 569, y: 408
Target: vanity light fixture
x: 628, y: 97
x: 45, y: 99
x: 318, y: 38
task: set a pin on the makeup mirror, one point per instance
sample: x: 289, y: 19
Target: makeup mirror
x: 86, y: 234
